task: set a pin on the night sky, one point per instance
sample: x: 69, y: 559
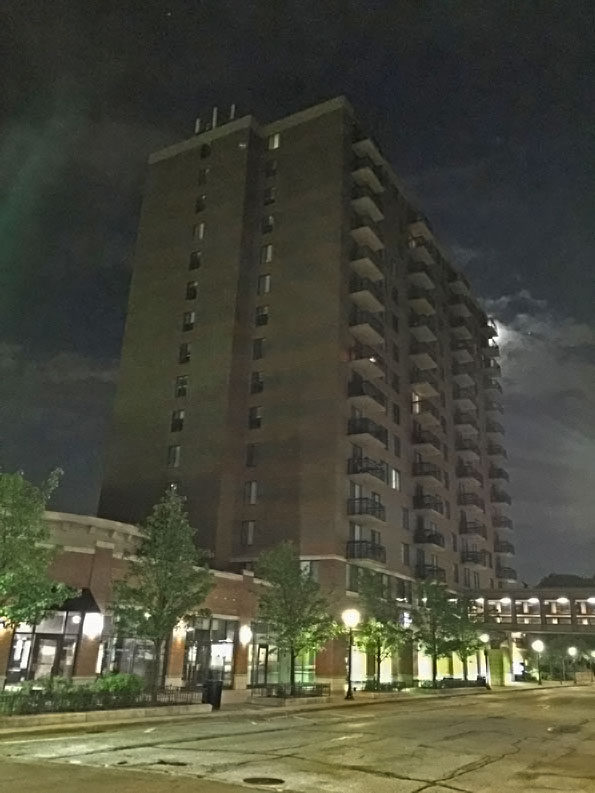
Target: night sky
x: 486, y: 109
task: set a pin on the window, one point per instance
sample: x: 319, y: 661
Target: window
x: 443, y: 423
x: 446, y: 480
x: 270, y: 168
x: 443, y: 399
x: 173, y: 456
x: 355, y: 531
x: 251, y: 492
x: 184, y: 353
x: 205, y: 151
x: 188, y: 320
x: 353, y: 576
x: 466, y: 577
x: 395, y: 478
x: 264, y: 284
x: 255, y: 417
x: 447, y: 509
x: 455, y: 573
x: 201, y: 203
x: 266, y: 254
x: 247, y: 532
x: 445, y: 450
x: 261, y: 315
x: 202, y: 175
x: 396, y: 446
x: 394, y: 293
x: 181, y: 387
x: 455, y: 542
x: 191, y: 290
x: 251, y: 455
x: 395, y: 383
x: 257, y: 383
x: 195, y: 260
x: 405, y: 518
x: 267, y: 224
x: 198, y: 231
x: 476, y: 581
x: 396, y: 414
x: 405, y: 556
x: 269, y: 195
x: 177, y: 420
x: 274, y: 141
x: 395, y: 322
x: 395, y: 352
x: 257, y: 349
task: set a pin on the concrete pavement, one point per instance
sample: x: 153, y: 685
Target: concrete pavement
x: 539, y: 741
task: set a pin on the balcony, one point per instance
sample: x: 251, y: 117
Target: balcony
x: 468, y: 475
x: 367, y: 509
x: 421, y: 228
x: 420, y: 272
x: 366, y: 550
x: 459, y: 284
x: 497, y: 450
x: 421, y: 301
x: 426, y: 443
x: 506, y: 574
x: 423, y: 355
x: 492, y: 386
x: 461, y: 327
x: 461, y: 350
x: 366, y: 396
x: 492, y: 350
x: 366, y: 362
x: 473, y: 529
x: 428, y: 473
x: 367, y: 328
x: 366, y: 147
x: 366, y: 294
x: 499, y: 497
x: 366, y: 203
x: 430, y: 572
x: 423, y: 327
x: 365, y: 172
x: 467, y: 448
x: 500, y: 521
x: 458, y: 306
x: 465, y: 399
x: 364, y: 232
x: 364, y: 469
x: 494, y: 428
x: 367, y: 263
x: 428, y: 502
x: 474, y: 558
x: 425, y: 413
x: 493, y: 406
x: 489, y: 329
x: 462, y: 374
x: 365, y: 430
x: 499, y: 474
x: 424, y: 383
x: 466, y: 422
x: 504, y: 548
x: 428, y: 537
x: 491, y: 368
x: 471, y: 501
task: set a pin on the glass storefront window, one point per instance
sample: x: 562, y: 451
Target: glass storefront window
x: 46, y: 649
x: 209, y: 651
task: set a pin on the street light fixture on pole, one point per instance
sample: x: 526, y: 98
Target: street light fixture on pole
x: 485, y: 638
x: 351, y: 618
x: 573, y: 652
x: 538, y: 647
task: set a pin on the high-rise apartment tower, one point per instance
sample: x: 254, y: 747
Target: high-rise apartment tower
x: 304, y: 362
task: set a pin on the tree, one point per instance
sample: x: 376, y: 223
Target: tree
x: 27, y: 591
x: 465, y: 640
x: 434, y: 623
x: 166, y: 582
x: 293, y: 604
x: 382, y: 632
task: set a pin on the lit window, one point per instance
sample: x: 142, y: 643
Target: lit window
x: 268, y: 224
x: 264, y: 284
x: 191, y: 290
x: 274, y: 141
x: 255, y: 417
x: 247, y: 534
x: 177, y: 420
x: 195, y: 260
x: 261, y: 315
x: 201, y: 203
x: 395, y: 479
x: 251, y: 492
x: 174, y: 454
x: 198, y: 231
x: 181, y: 387
x: 266, y: 254
x: 188, y: 320
x: 257, y: 349
x: 184, y: 353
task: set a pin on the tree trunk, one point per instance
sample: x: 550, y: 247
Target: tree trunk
x: 164, y: 661
x: 378, y: 662
x: 155, y: 669
x: 292, y: 671
x: 434, y: 669
x: 465, y: 661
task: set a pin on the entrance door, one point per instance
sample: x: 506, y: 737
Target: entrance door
x: 45, y: 655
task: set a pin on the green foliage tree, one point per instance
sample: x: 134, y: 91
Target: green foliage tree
x: 27, y: 592
x: 166, y: 581
x: 381, y: 633
x: 434, y: 623
x: 466, y: 632
x: 293, y: 605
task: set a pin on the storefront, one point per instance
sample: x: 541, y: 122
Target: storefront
x: 209, y: 651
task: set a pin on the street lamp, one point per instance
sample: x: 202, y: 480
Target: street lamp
x: 538, y: 647
x: 573, y: 652
x: 351, y: 618
x: 485, y: 638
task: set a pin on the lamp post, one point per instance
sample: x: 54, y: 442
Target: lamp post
x: 573, y: 652
x: 351, y: 618
x: 485, y: 638
x: 538, y: 647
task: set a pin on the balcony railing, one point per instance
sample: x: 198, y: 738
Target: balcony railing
x: 470, y: 500
x: 490, y: 384
x: 421, y: 468
x: 421, y: 273
x: 504, y: 547
x: 473, y: 528
x: 367, y: 263
x: 365, y: 426
x: 429, y: 572
x: 421, y: 300
x: 365, y: 232
x: 474, y: 557
x: 492, y: 350
x: 506, y: 573
x: 428, y: 537
x: 494, y: 426
x: 427, y: 501
x: 492, y: 406
x: 496, y: 450
x: 421, y: 376
x: 359, y: 318
x: 366, y: 506
x: 361, y: 388
x: 499, y: 497
x: 499, y: 473
x: 467, y: 445
x: 365, y: 465
x: 365, y: 549
x: 424, y: 406
x: 465, y: 394
x: 375, y: 297
x: 462, y: 326
x: 370, y: 360
x: 423, y: 437
x: 469, y: 472
x: 502, y: 522
x: 468, y: 419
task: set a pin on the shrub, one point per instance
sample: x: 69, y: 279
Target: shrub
x: 119, y: 683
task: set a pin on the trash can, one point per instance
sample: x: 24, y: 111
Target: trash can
x: 211, y: 693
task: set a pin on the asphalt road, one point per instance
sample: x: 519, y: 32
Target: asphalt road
x: 540, y: 741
